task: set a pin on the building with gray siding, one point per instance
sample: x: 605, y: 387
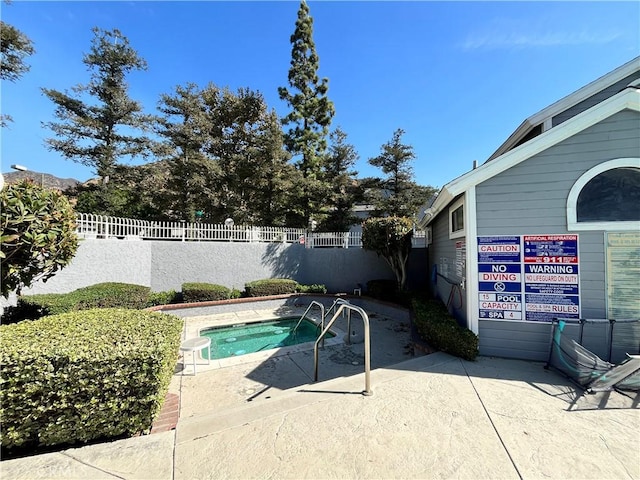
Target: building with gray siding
x: 549, y: 226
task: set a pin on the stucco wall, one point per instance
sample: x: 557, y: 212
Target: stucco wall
x: 165, y: 265
x: 98, y: 261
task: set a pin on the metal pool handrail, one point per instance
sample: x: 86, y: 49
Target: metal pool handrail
x: 313, y: 302
x: 342, y: 301
x: 367, y: 345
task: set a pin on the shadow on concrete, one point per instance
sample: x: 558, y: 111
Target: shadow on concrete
x: 390, y: 344
x: 501, y: 371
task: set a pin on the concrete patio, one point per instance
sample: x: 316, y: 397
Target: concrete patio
x: 433, y: 416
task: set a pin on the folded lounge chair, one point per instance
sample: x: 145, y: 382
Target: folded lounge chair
x: 587, y: 369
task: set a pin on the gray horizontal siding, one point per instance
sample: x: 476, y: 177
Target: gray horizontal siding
x: 525, y: 340
x: 441, y: 247
x: 531, y: 198
x: 533, y: 194
x: 594, y: 99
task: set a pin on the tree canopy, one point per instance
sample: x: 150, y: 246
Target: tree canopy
x: 344, y: 190
x: 390, y: 238
x: 97, y: 122
x: 310, y: 116
x: 15, y: 47
x: 397, y: 194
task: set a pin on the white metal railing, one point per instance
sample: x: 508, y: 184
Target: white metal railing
x: 92, y: 226
x: 101, y: 226
x: 333, y: 239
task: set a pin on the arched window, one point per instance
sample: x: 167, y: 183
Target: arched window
x: 606, y: 197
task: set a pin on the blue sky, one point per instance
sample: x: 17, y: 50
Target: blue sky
x: 458, y: 77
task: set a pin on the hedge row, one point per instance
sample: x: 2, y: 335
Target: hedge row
x: 272, y: 286
x: 82, y: 376
x: 204, y: 292
x: 125, y: 295
x: 102, y: 295
x: 441, y: 330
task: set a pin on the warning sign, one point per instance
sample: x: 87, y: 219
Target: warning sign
x: 530, y: 277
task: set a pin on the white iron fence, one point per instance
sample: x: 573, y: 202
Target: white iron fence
x: 92, y: 226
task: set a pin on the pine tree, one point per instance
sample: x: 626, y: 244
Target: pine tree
x: 95, y: 121
x: 185, y: 126
x: 345, y: 191
x: 255, y: 177
x: 310, y: 116
x: 397, y: 195
x: 15, y: 46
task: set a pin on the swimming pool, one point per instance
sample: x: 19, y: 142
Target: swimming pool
x: 242, y: 339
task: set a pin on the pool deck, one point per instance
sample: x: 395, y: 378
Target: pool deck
x: 430, y: 416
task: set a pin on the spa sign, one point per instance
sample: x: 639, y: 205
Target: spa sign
x: 528, y: 277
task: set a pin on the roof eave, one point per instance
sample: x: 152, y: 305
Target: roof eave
x: 628, y: 99
x: 565, y: 103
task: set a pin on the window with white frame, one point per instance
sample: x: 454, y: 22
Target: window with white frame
x: 456, y: 219
x: 606, y: 197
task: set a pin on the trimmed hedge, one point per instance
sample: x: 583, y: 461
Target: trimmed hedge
x: 164, y: 298
x: 204, y: 292
x: 82, y: 376
x: 272, y: 286
x: 441, y: 330
x: 315, y: 288
x: 101, y: 295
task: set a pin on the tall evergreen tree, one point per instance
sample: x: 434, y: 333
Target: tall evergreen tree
x: 255, y: 177
x: 310, y: 116
x: 185, y: 126
x: 345, y: 191
x: 97, y: 121
x: 397, y: 195
x: 15, y: 47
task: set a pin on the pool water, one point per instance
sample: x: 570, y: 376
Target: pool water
x: 235, y: 340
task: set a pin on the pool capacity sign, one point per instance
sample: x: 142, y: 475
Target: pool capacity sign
x: 528, y: 277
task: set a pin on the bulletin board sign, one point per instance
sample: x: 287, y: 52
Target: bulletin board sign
x: 528, y: 277
x: 623, y: 274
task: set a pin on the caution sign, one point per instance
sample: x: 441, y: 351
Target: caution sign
x: 500, y: 277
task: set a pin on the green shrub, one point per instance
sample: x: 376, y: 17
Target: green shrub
x: 112, y: 295
x: 163, y: 298
x: 204, y: 292
x: 315, y: 288
x: 101, y: 295
x: 235, y: 293
x: 272, y: 286
x: 82, y: 376
x: 441, y: 330
x: 37, y: 234
x: 382, y: 289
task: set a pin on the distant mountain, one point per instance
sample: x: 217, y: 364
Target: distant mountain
x: 46, y: 179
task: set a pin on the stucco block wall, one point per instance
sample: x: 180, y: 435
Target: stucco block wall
x: 166, y: 265
x: 112, y: 261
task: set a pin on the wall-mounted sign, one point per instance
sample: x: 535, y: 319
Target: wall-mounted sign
x: 528, y: 277
x: 461, y: 259
x: 623, y: 274
x: 500, y: 277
